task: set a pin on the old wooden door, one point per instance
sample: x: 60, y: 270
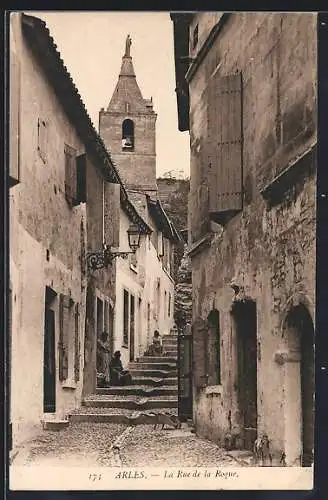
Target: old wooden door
x: 184, y: 376
x: 246, y: 329
x: 49, y: 366
x: 132, y: 327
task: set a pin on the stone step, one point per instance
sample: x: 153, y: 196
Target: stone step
x: 144, y: 372
x: 119, y: 416
x: 170, y: 336
x: 157, y: 359
x: 155, y: 382
x: 153, y: 366
x: 135, y: 390
x: 54, y: 424
x: 169, y: 343
x: 126, y: 402
x: 172, y: 353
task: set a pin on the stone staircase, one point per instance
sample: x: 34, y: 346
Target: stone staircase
x: 154, y: 391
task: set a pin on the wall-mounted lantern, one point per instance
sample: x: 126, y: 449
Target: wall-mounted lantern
x: 105, y: 256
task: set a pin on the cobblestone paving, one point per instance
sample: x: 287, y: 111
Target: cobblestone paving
x: 90, y: 444
x: 146, y: 446
x: 81, y: 444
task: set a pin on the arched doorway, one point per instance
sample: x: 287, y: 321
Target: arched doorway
x: 299, y: 386
x: 244, y: 316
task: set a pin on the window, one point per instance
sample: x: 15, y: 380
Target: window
x: 81, y: 171
x: 224, y: 151
x: 127, y: 135
x: 218, y: 157
x: 195, y: 37
x: 70, y: 175
x: 125, y: 318
x: 169, y: 308
x: 42, y: 139
x: 65, y: 310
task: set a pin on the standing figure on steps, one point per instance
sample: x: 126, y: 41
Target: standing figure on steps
x: 128, y: 44
x: 103, y: 354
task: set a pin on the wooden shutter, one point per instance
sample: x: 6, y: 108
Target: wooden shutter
x: 199, y: 331
x: 81, y: 171
x: 225, y: 144
x: 70, y: 175
x: 64, y: 325
x: 112, y: 214
x: 14, y: 107
x: 77, y: 344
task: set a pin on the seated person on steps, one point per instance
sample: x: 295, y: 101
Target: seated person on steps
x: 156, y: 348
x: 118, y: 376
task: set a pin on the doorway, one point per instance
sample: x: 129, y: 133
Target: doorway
x: 300, y: 387
x: 49, y: 355
x: 244, y: 314
x: 132, y: 327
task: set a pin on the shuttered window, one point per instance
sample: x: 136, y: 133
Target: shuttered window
x: 112, y: 213
x: 225, y: 145
x: 199, y: 332
x: 64, y: 328
x: 213, y: 348
x: 81, y: 170
x: 70, y: 175
x: 14, y: 107
x: 77, y: 346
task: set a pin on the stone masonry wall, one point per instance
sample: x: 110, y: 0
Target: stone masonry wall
x: 269, y: 250
x: 137, y: 167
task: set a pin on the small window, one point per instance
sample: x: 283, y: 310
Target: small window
x: 127, y: 135
x: 42, y: 139
x: 195, y: 37
x: 169, y: 310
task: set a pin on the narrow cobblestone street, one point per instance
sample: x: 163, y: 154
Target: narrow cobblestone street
x: 101, y: 444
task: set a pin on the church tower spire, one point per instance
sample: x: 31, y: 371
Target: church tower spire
x: 128, y: 129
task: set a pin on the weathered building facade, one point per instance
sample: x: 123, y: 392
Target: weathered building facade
x: 246, y: 90
x: 64, y: 196
x: 145, y: 284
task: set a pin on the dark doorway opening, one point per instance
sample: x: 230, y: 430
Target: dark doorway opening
x: 185, y: 376
x: 213, y: 348
x: 300, y: 330
x: 244, y: 314
x: 132, y: 327
x: 49, y: 357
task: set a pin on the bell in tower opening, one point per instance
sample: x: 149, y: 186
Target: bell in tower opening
x: 127, y: 134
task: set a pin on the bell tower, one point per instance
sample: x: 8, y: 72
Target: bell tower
x: 128, y: 129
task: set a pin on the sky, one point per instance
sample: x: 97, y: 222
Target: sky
x: 92, y: 44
